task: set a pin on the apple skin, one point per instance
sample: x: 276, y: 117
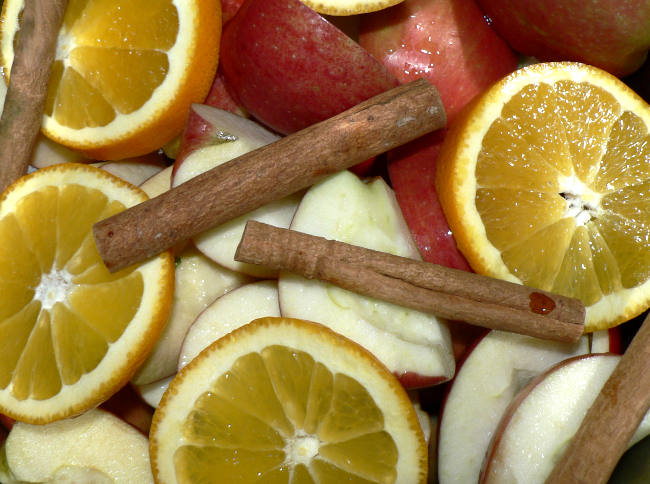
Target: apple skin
x: 128, y: 405
x: 229, y: 9
x: 448, y: 42
x: 611, y: 34
x: 412, y: 171
x: 290, y: 68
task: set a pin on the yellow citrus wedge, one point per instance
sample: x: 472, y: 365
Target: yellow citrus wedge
x: 349, y: 7
x: 286, y: 401
x: 71, y: 333
x: 125, y: 71
x: 545, y: 181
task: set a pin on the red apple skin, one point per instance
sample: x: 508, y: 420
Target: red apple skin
x: 412, y: 170
x: 413, y: 381
x: 290, y: 68
x: 229, y: 9
x: 6, y: 422
x: 197, y: 133
x: 219, y: 97
x: 448, y: 42
x: 130, y: 407
x: 611, y: 34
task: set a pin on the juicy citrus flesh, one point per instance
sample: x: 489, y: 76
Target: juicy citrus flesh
x: 545, y: 182
x: 71, y: 333
x: 349, y: 7
x: 125, y: 71
x: 286, y: 401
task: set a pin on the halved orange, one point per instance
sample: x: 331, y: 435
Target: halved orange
x: 125, y: 71
x: 71, y: 332
x: 545, y: 181
x: 286, y: 401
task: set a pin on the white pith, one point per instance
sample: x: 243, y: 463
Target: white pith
x: 301, y: 448
x: 53, y: 288
x: 582, y: 203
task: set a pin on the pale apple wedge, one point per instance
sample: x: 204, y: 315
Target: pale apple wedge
x: 134, y: 171
x: 153, y: 392
x: 229, y: 312
x: 486, y: 381
x: 542, y: 419
x: 199, y: 281
x: 158, y: 183
x: 212, y: 137
x: 95, y: 447
x: 413, y: 345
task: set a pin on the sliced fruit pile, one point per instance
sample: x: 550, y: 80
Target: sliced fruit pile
x: 289, y: 401
x: 72, y: 333
x: 125, y: 72
x: 544, y: 181
x: 238, y: 373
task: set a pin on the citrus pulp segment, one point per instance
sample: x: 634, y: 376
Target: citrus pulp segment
x: 71, y: 333
x: 290, y: 401
x: 545, y: 180
x: 125, y: 72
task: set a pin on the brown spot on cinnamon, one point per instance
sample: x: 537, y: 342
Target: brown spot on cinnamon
x: 541, y: 303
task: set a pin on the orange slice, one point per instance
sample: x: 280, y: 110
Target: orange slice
x: 286, y: 400
x: 349, y: 7
x: 125, y: 71
x: 545, y: 181
x: 71, y: 333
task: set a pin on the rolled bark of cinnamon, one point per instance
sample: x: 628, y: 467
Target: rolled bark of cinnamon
x: 270, y: 173
x: 445, y: 292
x: 30, y: 73
x: 610, y: 422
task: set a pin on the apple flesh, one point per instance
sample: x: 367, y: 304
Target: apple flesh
x: 158, y: 183
x: 212, y: 137
x: 227, y: 313
x: 153, y: 392
x: 413, y: 345
x: 291, y: 68
x: 486, y: 381
x: 538, y: 424
x: 199, y: 281
x: 609, y: 34
x: 95, y: 447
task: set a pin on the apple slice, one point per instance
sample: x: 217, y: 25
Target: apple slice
x: 153, y: 392
x: 212, y: 137
x: 448, y: 42
x: 486, y: 382
x: 413, y: 345
x: 158, y: 183
x: 540, y: 422
x: 291, y: 68
x: 95, y: 447
x: 227, y: 313
x: 134, y: 170
x: 199, y: 281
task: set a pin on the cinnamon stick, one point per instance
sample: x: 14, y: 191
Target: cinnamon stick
x: 269, y: 173
x: 448, y: 293
x: 30, y: 73
x: 612, y: 419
